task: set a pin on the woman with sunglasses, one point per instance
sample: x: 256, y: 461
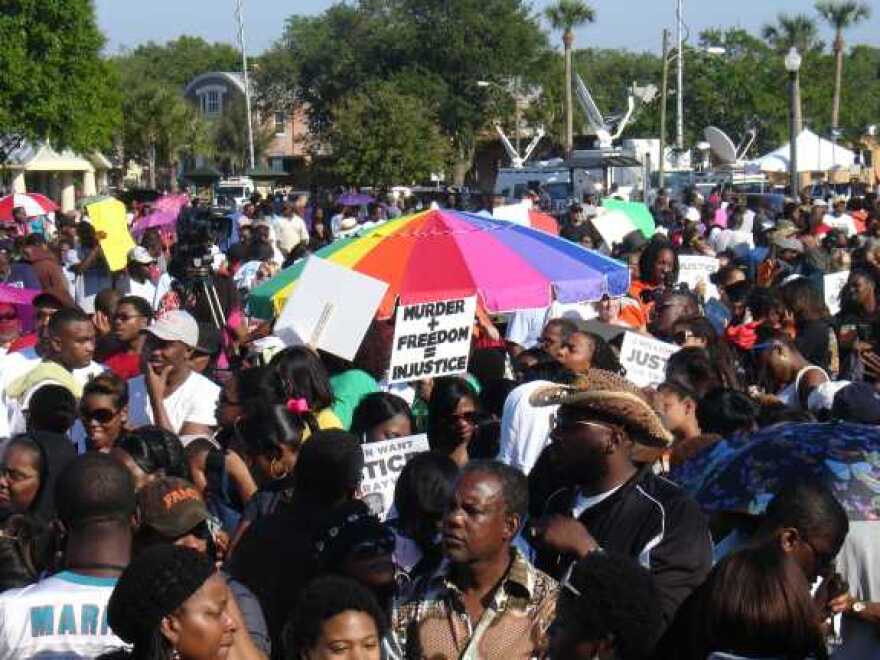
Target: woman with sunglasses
x: 453, y: 416
x: 698, y: 332
x: 355, y: 544
x: 103, y: 410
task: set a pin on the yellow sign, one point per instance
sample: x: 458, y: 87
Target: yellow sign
x: 108, y: 216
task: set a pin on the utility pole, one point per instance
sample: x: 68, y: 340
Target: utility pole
x: 664, y: 90
x: 516, y: 109
x: 239, y: 16
x: 679, y: 92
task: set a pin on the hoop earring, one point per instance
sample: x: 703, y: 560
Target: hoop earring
x: 272, y: 469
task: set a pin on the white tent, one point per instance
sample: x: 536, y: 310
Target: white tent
x: 814, y: 154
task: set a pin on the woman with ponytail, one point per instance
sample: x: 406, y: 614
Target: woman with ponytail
x: 298, y: 376
x: 270, y: 438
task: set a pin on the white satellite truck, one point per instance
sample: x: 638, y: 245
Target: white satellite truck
x: 587, y: 171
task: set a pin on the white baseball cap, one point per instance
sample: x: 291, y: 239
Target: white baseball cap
x: 176, y: 325
x: 140, y: 255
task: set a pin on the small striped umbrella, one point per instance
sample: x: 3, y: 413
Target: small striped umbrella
x: 439, y: 255
x: 34, y: 204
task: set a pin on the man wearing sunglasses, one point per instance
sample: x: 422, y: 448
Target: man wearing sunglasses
x: 604, y: 500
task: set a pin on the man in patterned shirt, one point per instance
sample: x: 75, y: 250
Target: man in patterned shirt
x: 485, y: 601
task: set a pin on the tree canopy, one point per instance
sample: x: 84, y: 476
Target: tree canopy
x: 54, y: 85
x: 437, y: 50
x: 382, y: 136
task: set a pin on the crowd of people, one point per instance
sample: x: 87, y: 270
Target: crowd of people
x: 175, y: 482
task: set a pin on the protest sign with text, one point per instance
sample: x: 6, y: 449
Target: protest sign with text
x: 693, y: 269
x: 383, y: 462
x: 432, y: 339
x: 644, y: 359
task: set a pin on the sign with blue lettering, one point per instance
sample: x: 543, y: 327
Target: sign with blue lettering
x: 432, y: 339
x: 644, y: 359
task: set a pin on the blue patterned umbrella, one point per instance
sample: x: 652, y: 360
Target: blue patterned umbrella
x: 742, y: 473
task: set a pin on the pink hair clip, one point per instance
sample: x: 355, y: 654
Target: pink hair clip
x: 297, y: 406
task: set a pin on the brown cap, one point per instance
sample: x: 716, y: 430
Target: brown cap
x: 611, y: 397
x: 171, y: 507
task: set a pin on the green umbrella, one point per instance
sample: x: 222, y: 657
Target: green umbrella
x: 637, y: 212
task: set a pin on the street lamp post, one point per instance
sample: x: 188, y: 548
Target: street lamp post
x: 661, y: 166
x: 792, y: 65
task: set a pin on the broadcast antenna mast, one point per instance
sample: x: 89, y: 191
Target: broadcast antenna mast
x: 239, y: 17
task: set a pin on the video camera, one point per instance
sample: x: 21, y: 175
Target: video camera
x: 212, y: 225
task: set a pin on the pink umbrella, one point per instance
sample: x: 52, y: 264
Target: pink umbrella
x: 22, y: 300
x: 15, y: 295
x: 159, y: 218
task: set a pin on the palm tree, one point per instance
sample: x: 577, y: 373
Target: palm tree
x: 840, y: 15
x: 565, y: 16
x: 798, y: 31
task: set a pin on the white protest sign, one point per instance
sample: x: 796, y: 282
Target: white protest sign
x: 331, y: 308
x: 693, y: 269
x: 432, y: 339
x: 644, y: 359
x: 612, y: 225
x: 383, y: 462
x: 832, y: 286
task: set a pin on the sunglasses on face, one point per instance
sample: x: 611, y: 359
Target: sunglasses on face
x: 681, y: 338
x: 368, y: 549
x: 100, y: 415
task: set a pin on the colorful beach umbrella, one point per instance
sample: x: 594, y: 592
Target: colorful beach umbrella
x: 34, y: 204
x: 438, y: 255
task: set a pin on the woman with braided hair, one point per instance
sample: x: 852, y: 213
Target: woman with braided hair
x: 170, y: 603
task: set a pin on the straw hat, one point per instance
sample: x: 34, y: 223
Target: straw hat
x: 611, y: 397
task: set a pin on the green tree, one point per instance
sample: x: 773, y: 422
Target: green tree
x: 382, y: 137
x: 798, y: 32
x: 449, y: 45
x: 53, y: 83
x: 565, y: 16
x: 161, y: 127
x: 840, y: 15
x: 176, y: 62
x: 229, y: 136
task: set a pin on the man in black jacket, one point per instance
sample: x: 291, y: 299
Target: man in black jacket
x: 605, y: 501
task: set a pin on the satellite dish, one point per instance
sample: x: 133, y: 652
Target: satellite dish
x: 722, y: 146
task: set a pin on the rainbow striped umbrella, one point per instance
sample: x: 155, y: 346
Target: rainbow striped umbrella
x: 439, y: 255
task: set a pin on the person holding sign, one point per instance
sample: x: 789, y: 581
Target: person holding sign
x: 658, y: 268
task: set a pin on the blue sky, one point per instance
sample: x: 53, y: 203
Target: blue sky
x: 128, y: 23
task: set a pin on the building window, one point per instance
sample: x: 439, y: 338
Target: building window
x: 276, y: 164
x: 280, y: 123
x: 211, y: 104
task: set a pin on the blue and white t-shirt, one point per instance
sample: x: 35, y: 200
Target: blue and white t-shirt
x: 63, y: 617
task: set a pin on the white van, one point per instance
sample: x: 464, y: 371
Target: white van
x: 233, y: 192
